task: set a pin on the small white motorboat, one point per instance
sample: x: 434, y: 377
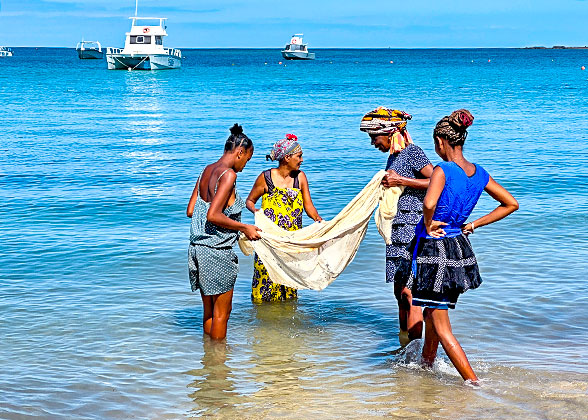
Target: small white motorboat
x: 144, y: 48
x: 5, y: 52
x: 89, y: 50
x: 296, y: 49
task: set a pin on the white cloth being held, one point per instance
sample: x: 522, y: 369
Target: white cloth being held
x: 312, y: 257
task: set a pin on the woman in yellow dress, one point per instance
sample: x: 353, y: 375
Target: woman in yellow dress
x: 284, y: 194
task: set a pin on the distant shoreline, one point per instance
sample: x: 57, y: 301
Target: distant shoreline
x: 556, y: 47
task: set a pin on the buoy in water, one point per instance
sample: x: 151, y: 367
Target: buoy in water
x: 280, y: 63
x: 489, y: 60
x: 391, y: 62
x: 582, y: 68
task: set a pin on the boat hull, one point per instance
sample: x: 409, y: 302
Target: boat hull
x: 143, y: 62
x: 88, y: 54
x: 297, y: 55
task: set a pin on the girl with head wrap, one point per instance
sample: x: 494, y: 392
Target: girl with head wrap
x: 284, y: 195
x: 408, y: 166
x: 441, y: 263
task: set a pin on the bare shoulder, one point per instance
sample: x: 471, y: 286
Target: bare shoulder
x: 438, y: 170
x: 227, y: 174
x: 302, y: 180
x: 260, y: 179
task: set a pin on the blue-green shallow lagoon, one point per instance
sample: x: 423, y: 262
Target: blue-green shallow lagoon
x: 97, y: 166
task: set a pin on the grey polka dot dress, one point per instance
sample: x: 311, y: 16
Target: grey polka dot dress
x: 212, y: 264
x: 408, y: 163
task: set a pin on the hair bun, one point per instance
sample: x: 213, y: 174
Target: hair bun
x: 236, y: 130
x: 461, y: 119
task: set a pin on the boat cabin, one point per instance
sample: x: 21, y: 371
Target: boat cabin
x: 5, y: 52
x: 296, y: 44
x: 146, y: 36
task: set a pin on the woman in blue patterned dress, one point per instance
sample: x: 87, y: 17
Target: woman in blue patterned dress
x: 407, y: 166
x: 442, y: 264
x: 215, y: 208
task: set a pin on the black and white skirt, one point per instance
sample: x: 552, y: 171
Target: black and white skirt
x: 445, y: 268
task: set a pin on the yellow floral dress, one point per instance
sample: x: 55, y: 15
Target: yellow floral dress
x: 284, y: 207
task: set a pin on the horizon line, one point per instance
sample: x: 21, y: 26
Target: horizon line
x: 554, y: 47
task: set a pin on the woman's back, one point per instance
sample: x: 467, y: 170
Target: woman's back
x: 460, y: 194
x: 202, y: 232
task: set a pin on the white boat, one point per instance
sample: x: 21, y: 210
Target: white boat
x: 144, y: 48
x: 89, y: 50
x: 5, y: 52
x: 296, y: 49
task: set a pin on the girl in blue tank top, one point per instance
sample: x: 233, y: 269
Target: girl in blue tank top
x: 442, y: 264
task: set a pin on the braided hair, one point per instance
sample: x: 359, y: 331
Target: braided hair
x: 237, y: 139
x: 453, y: 127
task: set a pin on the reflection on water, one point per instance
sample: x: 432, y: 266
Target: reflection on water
x: 290, y: 368
x: 279, y: 362
x: 212, y: 389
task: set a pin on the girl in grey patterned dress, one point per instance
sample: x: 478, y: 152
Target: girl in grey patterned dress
x: 408, y: 166
x: 215, y: 208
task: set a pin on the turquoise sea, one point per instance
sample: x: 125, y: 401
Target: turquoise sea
x: 96, y: 169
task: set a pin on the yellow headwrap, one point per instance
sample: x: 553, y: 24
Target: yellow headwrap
x: 383, y: 121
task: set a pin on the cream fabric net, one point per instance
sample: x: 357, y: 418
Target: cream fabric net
x: 312, y: 257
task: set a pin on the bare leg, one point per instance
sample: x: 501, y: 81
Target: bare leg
x: 222, y: 305
x: 410, y: 317
x: 442, y: 327
x: 415, y: 323
x: 431, y: 341
x: 207, y: 313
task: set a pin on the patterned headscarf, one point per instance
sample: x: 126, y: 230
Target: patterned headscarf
x: 454, y: 127
x: 382, y: 121
x: 285, y: 147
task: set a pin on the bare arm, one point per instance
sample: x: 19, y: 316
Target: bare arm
x: 259, y: 189
x: 392, y: 179
x: 434, y: 191
x: 192, y: 202
x: 219, y: 202
x: 308, y: 205
x: 508, y: 204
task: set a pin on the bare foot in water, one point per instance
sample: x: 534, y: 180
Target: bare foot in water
x: 473, y: 383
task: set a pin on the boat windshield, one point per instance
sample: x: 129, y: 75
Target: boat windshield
x: 296, y: 47
x: 140, y: 39
x: 148, y: 21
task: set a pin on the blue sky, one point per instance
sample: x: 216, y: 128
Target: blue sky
x: 325, y: 23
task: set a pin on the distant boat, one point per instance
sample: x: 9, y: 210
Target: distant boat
x: 144, y: 48
x: 89, y: 50
x: 5, y: 52
x: 296, y: 49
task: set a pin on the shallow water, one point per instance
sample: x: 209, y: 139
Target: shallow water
x: 97, y: 167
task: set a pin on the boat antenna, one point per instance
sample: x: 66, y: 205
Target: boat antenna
x: 136, y: 6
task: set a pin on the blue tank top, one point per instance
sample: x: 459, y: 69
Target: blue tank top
x: 459, y: 196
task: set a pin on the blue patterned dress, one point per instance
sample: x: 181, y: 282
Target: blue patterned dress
x: 408, y: 163
x: 212, y: 264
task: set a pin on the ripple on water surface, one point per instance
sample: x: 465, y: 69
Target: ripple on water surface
x: 95, y: 173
